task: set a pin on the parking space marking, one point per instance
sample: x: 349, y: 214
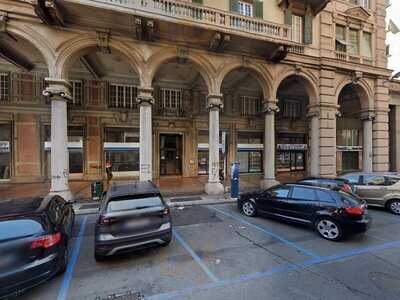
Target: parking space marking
x: 281, y: 269
x: 62, y: 293
x: 195, y: 256
x: 269, y: 233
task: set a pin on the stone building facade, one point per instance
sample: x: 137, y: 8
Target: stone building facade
x: 185, y: 88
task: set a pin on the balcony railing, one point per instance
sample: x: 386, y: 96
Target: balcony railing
x: 200, y: 14
x: 354, y: 58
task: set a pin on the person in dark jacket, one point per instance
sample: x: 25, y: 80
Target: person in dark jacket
x: 109, y: 172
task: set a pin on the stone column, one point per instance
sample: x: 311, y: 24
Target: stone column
x: 367, y: 118
x: 313, y: 116
x: 58, y: 92
x: 270, y: 108
x: 145, y: 102
x: 214, y: 186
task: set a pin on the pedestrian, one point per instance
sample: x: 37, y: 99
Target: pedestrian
x: 109, y: 172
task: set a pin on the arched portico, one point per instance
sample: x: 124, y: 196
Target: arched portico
x: 354, y: 131
x: 298, y: 124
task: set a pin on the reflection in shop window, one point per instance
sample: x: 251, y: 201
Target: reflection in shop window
x: 5, y: 151
x: 75, y: 148
x: 121, y: 148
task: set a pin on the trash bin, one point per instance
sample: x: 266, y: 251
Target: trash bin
x: 97, y: 190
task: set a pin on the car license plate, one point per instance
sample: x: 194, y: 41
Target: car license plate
x: 137, y: 223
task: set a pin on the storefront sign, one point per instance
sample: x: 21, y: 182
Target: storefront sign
x: 4, y: 146
x: 349, y: 148
x: 71, y: 145
x: 292, y: 147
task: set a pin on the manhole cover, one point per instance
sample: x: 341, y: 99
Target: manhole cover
x: 185, y: 199
x: 89, y: 206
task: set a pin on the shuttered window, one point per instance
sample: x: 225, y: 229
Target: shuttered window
x: 4, y: 87
x: 77, y: 92
x: 245, y: 9
x: 171, y: 98
x: 297, y: 29
x: 366, y: 49
x: 250, y: 105
x: 354, y: 46
x: 340, y: 38
x: 122, y: 96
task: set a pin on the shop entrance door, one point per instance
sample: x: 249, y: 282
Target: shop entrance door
x: 170, y: 154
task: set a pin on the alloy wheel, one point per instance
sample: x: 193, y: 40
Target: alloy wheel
x: 395, y: 207
x: 248, y: 209
x: 328, y: 229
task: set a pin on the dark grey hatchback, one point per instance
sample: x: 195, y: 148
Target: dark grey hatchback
x: 132, y: 216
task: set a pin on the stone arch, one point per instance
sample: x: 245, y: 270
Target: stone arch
x: 311, y: 84
x: 363, y: 90
x: 70, y: 50
x: 202, y: 65
x: 262, y: 75
x: 39, y: 42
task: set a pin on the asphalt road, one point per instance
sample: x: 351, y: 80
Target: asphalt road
x: 217, y: 253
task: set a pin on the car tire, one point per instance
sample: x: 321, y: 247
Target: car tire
x: 394, y: 206
x: 329, y: 229
x: 98, y: 257
x: 249, y: 208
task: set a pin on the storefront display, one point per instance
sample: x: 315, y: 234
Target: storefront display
x: 250, y: 151
x: 5, y: 151
x: 291, y: 152
x: 202, y: 151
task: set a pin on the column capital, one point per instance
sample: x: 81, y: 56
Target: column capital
x: 367, y: 115
x: 57, y: 89
x: 145, y: 96
x: 270, y: 106
x: 313, y: 112
x: 214, y: 101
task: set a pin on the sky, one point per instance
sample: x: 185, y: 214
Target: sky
x: 393, y: 13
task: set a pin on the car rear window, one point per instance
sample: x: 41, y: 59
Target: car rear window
x: 133, y: 203
x: 346, y: 198
x: 10, y: 229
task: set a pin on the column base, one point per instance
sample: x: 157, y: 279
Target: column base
x: 214, y: 188
x: 65, y: 194
x: 266, y: 183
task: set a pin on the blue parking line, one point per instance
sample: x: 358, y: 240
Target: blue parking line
x: 281, y: 269
x: 62, y: 293
x: 195, y: 256
x: 269, y: 233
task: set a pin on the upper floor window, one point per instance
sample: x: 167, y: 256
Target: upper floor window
x: 245, y: 8
x: 250, y: 105
x: 122, y: 96
x: 340, y: 38
x: 354, y: 42
x: 347, y: 137
x: 171, y: 98
x: 291, y: 109
x: 4, y: 87
x: 297, y: 28
x: 77, y: 92
x: 366, y: 46
x: 364, y: 3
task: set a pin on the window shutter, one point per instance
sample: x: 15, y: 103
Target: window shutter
x: 197, y: 1
x: 308, y: 27
x: 234, y: 4
x: 258, y: 9
x: 288, y: 16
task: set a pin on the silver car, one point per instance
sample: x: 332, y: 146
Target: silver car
x: 378, y: 189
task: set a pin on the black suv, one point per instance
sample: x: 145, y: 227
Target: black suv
x: 34, y: 237
x: 331, y: 212
x: 132, y: 216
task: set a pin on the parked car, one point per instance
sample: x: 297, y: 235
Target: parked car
x: 337, y: 183
x: 331, y: 213
x: 378, y: 189
x: 34, y: 240
x: 132, y: 216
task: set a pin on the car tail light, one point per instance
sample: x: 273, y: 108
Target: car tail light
x: 346, y: 188
x: 106, y: 220
x: 166, y: 212
x: 46, y: 241
x: 355, y: 211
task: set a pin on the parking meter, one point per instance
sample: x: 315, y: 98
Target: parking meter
x: 235, y: 180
